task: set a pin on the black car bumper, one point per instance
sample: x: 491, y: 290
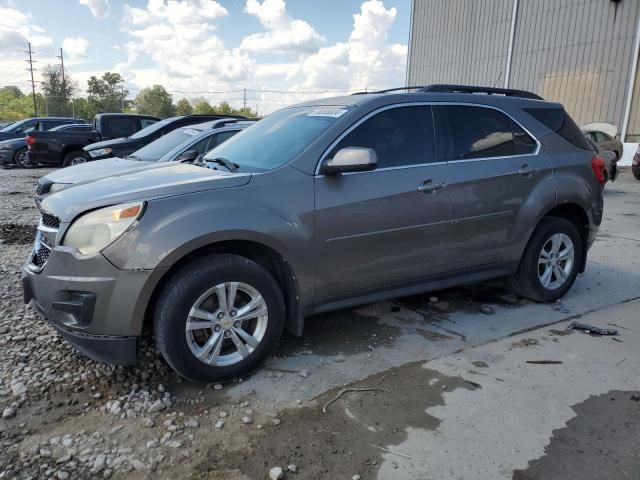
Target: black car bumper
x: 6, y: 158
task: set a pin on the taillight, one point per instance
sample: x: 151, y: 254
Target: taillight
x: 30, y: 141
x: 598, y: 166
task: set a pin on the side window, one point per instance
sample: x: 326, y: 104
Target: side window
x: 479, y: 132
x: 601, y: 137
x: 400, y: 136
x: 121, y: 126
x: 220, y: 138
x: 201, y: 146
x: 145, y: 122
x: 525, y: 144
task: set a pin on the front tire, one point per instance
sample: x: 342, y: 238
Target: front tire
x: 218, y: 317
x: 21, y: 158
x: 74, y: 158
x: 551, y: 261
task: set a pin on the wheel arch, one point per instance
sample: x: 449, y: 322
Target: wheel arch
x: 264, y: 255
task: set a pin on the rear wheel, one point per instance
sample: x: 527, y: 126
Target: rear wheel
x: 218, y: 317
x: 21, y: 158
x: 550, y: 262
x: 74, y: 158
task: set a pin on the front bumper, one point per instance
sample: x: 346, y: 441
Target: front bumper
x: 94, y: 305
x: 6, y: 158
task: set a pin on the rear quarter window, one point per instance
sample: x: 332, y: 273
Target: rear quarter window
x: 558, y: 120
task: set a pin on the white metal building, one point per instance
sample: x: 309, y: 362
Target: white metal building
x: 581, y: 53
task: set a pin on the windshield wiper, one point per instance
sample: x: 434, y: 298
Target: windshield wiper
x: 232, y: 167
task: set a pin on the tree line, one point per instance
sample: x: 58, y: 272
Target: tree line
x: 59, y: 97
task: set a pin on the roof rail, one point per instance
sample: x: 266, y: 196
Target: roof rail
x: 507, y: 92
x: 397, y: 89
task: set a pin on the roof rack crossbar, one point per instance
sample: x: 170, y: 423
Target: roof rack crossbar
x: 397, y: 89
x: 508, y: 92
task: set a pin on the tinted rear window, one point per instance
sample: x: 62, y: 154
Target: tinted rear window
x: 560, y: 122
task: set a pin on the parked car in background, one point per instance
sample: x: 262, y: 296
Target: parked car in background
x: 21, y: 127
x: 66, y: 148
x: 121, y: 147
x: 610, y: 161
x: 14, y: 153
x: 319, y: 206
x: 604, y: 140
x: 183, y: 144
x: 635, y: 164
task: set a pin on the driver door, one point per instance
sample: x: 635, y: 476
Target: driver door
x: 388, y: 227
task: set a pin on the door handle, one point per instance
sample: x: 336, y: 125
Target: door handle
x: 429, y: 187
x: 526, y: 171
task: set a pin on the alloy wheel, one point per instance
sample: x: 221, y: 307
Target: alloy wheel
x: 555, y: 261
x: 23, y: 159
x: 226, y: 324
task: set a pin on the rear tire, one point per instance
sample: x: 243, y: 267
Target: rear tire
x: 550, y: 263
x: 223, y: 341
x: 75, y: 158
x: 21, y: 158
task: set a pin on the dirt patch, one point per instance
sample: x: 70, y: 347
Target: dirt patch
x: 357, y: 333
x: 12, y: 233
x: 603, y: 441
x: 525, y: 342
x: 337, y: 444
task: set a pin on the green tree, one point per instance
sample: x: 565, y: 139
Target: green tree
x: 202, y: 106
x: 183, y: 107
x: 56, y: 92
x: 107, y: 94
x: 155, y: 101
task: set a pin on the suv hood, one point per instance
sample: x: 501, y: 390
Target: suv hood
x: 113, y: 143
x: 92, y: 171
x: 138, y: 185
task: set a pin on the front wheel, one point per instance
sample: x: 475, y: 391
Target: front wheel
x: 550, y: 262
x: 74, y: 158
x: 21, y: 158
x: 218, y: 317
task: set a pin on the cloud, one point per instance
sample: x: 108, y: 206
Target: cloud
x: 16, y: 29
x: 365, y: 60
x: 75, y: 47
x: 179, y: 38
x: 284, y: 34
x: 99, y: 8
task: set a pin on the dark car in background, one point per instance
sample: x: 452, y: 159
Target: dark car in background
x: 184, y: 145
x: 21, y: 127
x: 635, y: 164
x: 66, y: 148
x: 14, y: 153
x: 604, y: 141
x: 121, y: 147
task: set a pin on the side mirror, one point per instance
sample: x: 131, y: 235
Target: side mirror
x: 350, y: 159
x: 188, y: 156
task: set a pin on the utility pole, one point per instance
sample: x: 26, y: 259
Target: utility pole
x: 33, y: 84
x: 244, y: 99
x: 64, y: 86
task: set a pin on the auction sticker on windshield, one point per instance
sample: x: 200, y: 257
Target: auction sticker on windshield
x: 327, y: 112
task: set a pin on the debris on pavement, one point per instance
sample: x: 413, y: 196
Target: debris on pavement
x: 276, y: 473
x: 390, y: 451
x: 635, y: 398
x: 545, y: 362
x: 348, y: 390
x: 590, y: 329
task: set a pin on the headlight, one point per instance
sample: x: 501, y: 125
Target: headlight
x: 100, y: 152
x: 57, y: 187
x: 93, y: 231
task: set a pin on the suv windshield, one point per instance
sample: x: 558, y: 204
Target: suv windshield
x: 277, y: 139
x: 152, y: 128
x: 156, y: 149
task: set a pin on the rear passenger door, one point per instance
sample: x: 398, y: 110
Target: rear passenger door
x: 494, y: 167
x: 388, y: 227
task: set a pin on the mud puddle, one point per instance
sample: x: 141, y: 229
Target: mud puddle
x: 338, y: 444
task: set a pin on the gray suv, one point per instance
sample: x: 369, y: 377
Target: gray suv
x: 320, y: 206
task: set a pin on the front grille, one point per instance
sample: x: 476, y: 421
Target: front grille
x: 50, y: 221
x: 41, y: 251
